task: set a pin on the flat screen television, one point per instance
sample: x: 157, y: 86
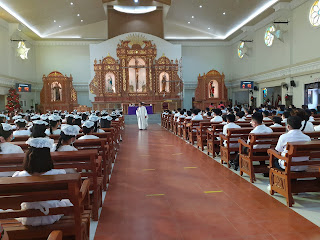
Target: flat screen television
x: 246, y: 85
x: 21, y: 87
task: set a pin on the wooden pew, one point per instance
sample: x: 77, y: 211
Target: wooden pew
x: 229, y: 142
x: 246, y: 160
x: 185, y: 125
x: 192, y: 129
x: 213, y: 133
x: 85, y: 162
x: 55, y: 235
x: 256, y: 154
x: 285, y: 182
x: 201, y: 134
x: 13, y: 191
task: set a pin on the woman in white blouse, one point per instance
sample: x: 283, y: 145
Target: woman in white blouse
x: 54, y: 124
x: 88, y: 128
x: 67, y: 138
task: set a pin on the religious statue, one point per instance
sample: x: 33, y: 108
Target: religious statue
x: 110, y: 84
x: 56, y: 93
x: 211, y: 90
x: 164, y: 83
x: 137, y: 81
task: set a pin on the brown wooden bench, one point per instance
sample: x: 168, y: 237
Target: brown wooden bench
x: 13, y: 191
x: 213, y: 144
x: 85, y: 162
x: 246, y: 159
x: 229, y: 142
x: 185, y: 125
x: 285, y: 182
x: 201, y: 134
x: 192, y: 129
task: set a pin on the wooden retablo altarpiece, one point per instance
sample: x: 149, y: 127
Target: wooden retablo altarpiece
x: 58, y: 93
x: 136, y: 76
x: 211, y: 89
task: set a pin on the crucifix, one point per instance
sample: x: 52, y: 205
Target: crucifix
x: 137, y: 73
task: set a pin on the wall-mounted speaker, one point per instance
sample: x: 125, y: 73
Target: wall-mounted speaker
x: 256, y: 88
x: 292, y: 83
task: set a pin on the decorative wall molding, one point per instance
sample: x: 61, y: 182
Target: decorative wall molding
x: 287, y: 72
x: 66, y: 43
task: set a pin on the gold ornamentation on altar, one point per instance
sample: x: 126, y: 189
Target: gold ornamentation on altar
x: 136, y: 39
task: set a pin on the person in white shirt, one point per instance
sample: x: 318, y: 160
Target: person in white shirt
x: 230, y: 124
x: 216, y: 115
x: 240, y: 116
x: 38, y: 161
x: 276, y: 122
x: 21, y: 126
x: 189, y: 115
x: 258, y: 127
x: 306, y: 126
x: 181, y: 117
x: 88, y: 128
x: 54, y: 122
x: 285, y: 116
x: 294, y: 134
x: 95, y: 119
x: 197, y: 115
x: 266, y: 116
x: 223, y: 110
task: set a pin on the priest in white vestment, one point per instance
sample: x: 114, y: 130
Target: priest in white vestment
x: 142, y: 117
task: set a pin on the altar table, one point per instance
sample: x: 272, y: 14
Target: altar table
x: 132, y: 110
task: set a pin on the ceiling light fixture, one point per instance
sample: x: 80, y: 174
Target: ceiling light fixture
x: 248, y: 19
x: 59, y: 26
x: 81, y: 20
x: 188, y: 22
x: 71, y: 3
x: 209, y: 28
x: 192, y: 17
x: 136, y: 1
x: 200, y: 6
x: 54, y: 21
x: 135, y: 9
x: 224, y: 13
x: 78, y: 15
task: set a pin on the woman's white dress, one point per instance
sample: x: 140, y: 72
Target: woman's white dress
x: 43, y: 206
x: 22, y: 133
x: 54, y: 132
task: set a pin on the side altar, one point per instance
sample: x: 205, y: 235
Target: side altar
x: 136, y: 75
x: 211, y: 89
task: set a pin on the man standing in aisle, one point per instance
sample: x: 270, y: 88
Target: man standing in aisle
x: 142, y: 117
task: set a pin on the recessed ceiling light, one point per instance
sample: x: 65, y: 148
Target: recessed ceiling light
x: 188, y: 22
x: 71, y: 3
x: 209, y: 28
x: 81, y: 20
x: 192, y: 17
x: 136, y: 1
x: 59, y: 26
x: 54, y: 21
x: 224, y: 13
x: 135, y: 9
x: 200, y: 6
x: 78, y: 15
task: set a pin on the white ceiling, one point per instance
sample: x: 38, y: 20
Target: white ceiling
x: 39, y: 16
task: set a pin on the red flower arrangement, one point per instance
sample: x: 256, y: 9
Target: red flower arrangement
x: 13, y: 101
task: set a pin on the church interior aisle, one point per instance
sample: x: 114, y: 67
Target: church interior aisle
x: 164, y: 188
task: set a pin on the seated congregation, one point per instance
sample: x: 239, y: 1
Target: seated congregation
x: 53, y: 170
x: 282, y: 144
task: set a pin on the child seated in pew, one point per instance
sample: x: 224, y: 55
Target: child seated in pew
x: 105, y: 121
x: 88, y: 128
x: 189, y: 115
x: 240, y: 116
x: 216, y: 115
x: 38, y: 162
x: 21, y: 128
x: 306, y: 126
x: 230, y: 124
x: 285, y: 116
x: 6, y: 147
x: 266, y: 116
x: 294, y: 134
x: 77, y: 120
x: 67, y: 138
x: 258, y: 127
x: 95, y: 119
x: 54, y: 124
x: 181, y: 117
x: 276, y: 122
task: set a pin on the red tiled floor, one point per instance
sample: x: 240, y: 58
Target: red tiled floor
x: 240, y: 212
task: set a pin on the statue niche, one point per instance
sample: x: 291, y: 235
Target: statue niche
x: 164, y: 83
x: 110, y: 83
x: 57, y: 93
x: 211, y: 89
